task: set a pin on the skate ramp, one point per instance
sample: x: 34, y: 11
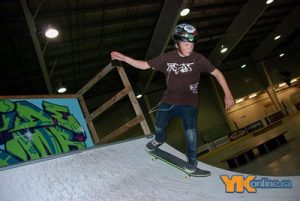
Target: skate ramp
x: 123, y: 171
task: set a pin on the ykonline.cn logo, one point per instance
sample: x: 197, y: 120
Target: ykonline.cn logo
x: 239, y: 183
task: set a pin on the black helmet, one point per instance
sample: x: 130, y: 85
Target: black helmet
x: 185, y: 32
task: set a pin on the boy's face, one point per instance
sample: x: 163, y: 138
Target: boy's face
x: 185, y: 48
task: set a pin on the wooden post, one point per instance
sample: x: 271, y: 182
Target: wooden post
x: 95, y: 79
x: 126, y: 91
x: 88, y: 120
x: 133, y: 100
x: 109, y: 103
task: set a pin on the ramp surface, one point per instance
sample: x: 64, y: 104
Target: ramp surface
x: 123, y: 171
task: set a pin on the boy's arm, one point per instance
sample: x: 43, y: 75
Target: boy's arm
x: 228, y: 99
x: 143, y: 65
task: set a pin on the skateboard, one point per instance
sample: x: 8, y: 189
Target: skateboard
x: 176, y: 162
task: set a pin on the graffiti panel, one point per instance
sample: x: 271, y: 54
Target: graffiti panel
x: 35, y: 128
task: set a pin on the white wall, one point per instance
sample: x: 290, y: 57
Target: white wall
x: 258, y: 108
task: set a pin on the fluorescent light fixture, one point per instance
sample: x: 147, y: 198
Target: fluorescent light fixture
x: 294, y: 80
x: 51, y: 32
x: 239, y: 100
x: 269, y: 1
x: 223, y: 49
x: 277, y: 37
x: 282, y: 84
x: 184, y: 12
x: 253, y: 95
x: 61, y: 90
x: 281, y: 54
x: 243, y: 66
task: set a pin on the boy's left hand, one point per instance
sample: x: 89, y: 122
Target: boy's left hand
x: 229, y: 101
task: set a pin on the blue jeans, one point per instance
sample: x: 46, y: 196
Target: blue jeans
x: 188, y: 114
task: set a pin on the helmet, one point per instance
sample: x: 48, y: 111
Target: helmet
x: 185, y: 32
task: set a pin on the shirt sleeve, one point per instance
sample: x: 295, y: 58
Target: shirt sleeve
x: 157, y: 63
x: 207, y: 65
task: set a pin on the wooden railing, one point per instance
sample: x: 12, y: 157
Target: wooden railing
x: 89, y: 117
x: 126, y: 91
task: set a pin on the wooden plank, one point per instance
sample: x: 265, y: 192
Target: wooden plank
x: 95, y: 79
x: 88, y: 120
x: 109, y: 103
x: 121, y: 130
x: 83, y: 107
x: 134, y: 100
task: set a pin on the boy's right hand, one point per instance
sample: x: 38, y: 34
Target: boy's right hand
x: 117, y: 56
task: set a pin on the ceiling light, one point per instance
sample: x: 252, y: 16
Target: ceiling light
x: 282, y: 84
x: 239, y: 100
x: 223, y: 49
x: 51, y: 32
x: 253, y: 95
x: 281, y: 54
x: 269, y: 1
x: 184, y: 12
x: 294, y: 80
x: 243, y: 66
x: 61, y: 90
x: 277, y: 37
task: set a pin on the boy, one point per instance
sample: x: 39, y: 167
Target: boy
x: 182, y: 68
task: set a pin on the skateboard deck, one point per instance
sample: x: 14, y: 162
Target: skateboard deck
x: 176, y: 162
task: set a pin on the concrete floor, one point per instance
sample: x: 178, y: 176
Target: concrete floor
x: 283, y: 161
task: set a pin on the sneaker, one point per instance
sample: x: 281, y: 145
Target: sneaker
x: 152, y: 145
x: 191, y: 167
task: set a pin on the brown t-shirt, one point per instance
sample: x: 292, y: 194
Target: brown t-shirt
x: 182, y: 76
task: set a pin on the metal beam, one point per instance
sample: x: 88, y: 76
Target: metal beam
x: 215, y: 6
x: 285, y: 28
x: 251, y: 11
x: 109, y: 7
x: 36, y: 43
x: 168, y: 18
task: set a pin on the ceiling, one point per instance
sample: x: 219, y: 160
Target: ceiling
x: 91, y: 29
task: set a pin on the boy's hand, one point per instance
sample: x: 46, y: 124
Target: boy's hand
x: 229, y: 101
x: 117, y: 56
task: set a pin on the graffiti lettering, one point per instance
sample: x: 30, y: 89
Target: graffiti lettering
x: 28, y: 132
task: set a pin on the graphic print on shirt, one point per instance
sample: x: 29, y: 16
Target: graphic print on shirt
x: 179, y: 68
x: 194, y: 88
